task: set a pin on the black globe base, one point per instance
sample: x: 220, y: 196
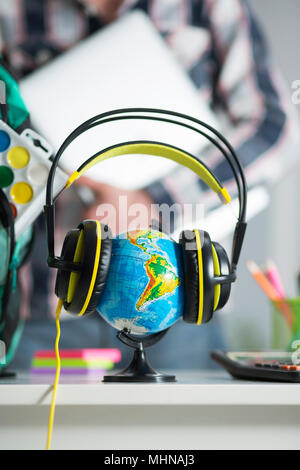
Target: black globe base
x: 139, y: 370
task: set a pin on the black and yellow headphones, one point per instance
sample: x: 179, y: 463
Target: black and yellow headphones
x: 85, y: 258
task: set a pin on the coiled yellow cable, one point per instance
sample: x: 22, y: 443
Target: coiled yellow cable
x: 57, y: 375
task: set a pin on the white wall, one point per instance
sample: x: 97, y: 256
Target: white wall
x: 274, y: 233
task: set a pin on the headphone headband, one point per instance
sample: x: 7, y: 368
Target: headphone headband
x: 155, y: 149
x: 120, y: 114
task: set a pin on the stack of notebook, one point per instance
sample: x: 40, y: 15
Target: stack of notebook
x: 76, y: 361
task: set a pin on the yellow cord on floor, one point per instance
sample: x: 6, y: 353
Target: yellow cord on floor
x: 52, y: 408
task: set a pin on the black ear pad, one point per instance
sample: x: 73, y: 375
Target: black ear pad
x: 191, y: 276
x: 224, y: 264
x: 198, y: 309
x: 67, y: 254
x: 77, y: 304
x: 103, y: 269
x: 208, y: 278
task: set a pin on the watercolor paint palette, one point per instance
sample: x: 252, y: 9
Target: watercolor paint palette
x: 24, y: 167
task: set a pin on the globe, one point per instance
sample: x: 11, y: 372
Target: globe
x: 144, y: 291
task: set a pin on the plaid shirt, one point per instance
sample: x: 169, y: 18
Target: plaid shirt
x: 222, y: 48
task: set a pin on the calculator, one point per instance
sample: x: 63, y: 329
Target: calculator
x: 274, y: 366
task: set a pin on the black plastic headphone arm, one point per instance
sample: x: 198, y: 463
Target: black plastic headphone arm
x: 58, y: 263
x: 49, y: 217
x: 52, y: 260
x: 238, y: 239
x: 225, y: 279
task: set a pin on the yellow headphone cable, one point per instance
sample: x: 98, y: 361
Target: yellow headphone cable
x: 57, y: 375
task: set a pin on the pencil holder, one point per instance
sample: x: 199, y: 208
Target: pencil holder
x: 284, y: 333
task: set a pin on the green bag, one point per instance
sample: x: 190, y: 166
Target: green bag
x: 13, y: 253
x: 17, y: 111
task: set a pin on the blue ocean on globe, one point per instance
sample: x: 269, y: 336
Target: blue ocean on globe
x: 144, y: 291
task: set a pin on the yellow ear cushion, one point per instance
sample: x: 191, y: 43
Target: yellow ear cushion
x: 95, y: 270
x: 74, y: 276
x: 157, y: 150
x: 200, y: 271
x: 217, y: 272
x: 78, y: 258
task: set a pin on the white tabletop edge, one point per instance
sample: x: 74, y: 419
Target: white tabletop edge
x: 205, y: 388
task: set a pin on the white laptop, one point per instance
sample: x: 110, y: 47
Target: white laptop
x: 126, y: 64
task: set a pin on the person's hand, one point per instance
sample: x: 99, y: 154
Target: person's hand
x: 121, y: 209
x: 107, y: 9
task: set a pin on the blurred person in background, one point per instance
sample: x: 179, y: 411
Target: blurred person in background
x: 221, y: 46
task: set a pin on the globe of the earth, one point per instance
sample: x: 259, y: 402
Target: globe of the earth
x: 144, y: 291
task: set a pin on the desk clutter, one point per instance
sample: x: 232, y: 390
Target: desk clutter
x: 274, y: 366
x: 76, y: 361
x: 24, y: 167
x: 286, y: 310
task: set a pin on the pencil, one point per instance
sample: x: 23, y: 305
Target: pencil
x: 274, y: 277
x: 270, y: 291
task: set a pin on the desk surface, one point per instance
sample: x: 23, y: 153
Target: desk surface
x: 191, y: 388
x: 204, y: 410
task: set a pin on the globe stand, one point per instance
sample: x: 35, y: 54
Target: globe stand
x: 139, y: 370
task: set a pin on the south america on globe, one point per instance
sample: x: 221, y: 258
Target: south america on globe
x: 144, y: 291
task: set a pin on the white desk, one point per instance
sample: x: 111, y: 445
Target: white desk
x: 205, y: 410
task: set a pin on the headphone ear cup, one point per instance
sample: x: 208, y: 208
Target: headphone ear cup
x: 199, y: 274
x: 67, y: 254
x: 93, y: 251
x: 224, y: 264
